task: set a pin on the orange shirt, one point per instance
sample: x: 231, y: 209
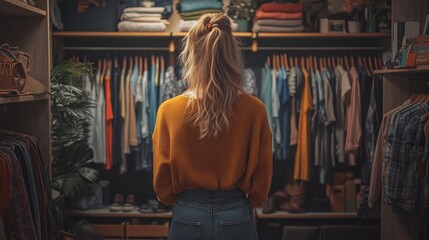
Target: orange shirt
x: 109, y: 123
x: 241, y: 156
x: 302, y: 156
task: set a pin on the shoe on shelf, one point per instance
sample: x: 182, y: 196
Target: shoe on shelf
x: 117, y: 204
x: 146, y: 208
x: 129, y: 204
x: 161, y: 208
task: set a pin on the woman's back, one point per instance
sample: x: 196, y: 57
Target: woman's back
x: 220, y: 163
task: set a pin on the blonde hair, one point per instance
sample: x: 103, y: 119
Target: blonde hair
x: 213, y: 71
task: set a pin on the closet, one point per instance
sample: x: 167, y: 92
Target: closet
x: 257, y: 47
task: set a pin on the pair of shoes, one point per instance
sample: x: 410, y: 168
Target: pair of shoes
x: 293, y: 198
x: 119, y: 205
x: 153, y: 206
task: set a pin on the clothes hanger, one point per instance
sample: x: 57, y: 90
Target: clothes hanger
x: 352, y: 61
x: 99, y: 68
x: 368, y: 70
x: 291, y: 62
x: 296, y: 62
x: 124, y: 63
x: 140, y: 65
x: 315, y: 63
x: 103, y: 71
x: 371, y: 65
x: 145, y: 64
x: 268, y: 61
x: 157, y: 71
x: 282, y: 63
x: 286, y: 62
x: 303, y: 63
x: 374, y: 63
x: 380, y: 62
x: 334, y: 62
x: 328, y: 59
x: 346, y: 61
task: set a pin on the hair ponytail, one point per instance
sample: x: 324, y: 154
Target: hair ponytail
x: 213, y: 70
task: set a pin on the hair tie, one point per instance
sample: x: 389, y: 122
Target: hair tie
x: 211, y: 26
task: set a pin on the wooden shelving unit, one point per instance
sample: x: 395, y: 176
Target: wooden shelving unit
x: 322, y: 35
x: 105, y: 213
x: 308, y: 215
x: 18, y: 8
x: 110, y: 34
x: 237, y: 34
x: 24, y: 98
x: 417, y: 70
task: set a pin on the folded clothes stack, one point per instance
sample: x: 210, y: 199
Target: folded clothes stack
x: 191, y: 10
x: 279, y: 17
x: 142, y: 19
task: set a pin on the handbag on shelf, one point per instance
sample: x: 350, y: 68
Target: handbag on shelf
x: 14, y: 69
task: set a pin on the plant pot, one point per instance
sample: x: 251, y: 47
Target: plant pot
x: 354, y: 26
x: 243, y: 25
x: 371, y: 26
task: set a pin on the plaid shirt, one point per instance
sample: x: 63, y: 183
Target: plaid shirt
x: 402, y: 183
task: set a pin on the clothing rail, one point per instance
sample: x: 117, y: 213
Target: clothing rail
x: 115, y: 48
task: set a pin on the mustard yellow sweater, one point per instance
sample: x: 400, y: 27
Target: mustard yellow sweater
x: 240, y: 157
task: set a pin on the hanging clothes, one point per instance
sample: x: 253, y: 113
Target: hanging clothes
x: 284, y: 114
x: 109, y: 121
x: 266, y: 92
x: 116, y: 108
x: 302, y: 157
x: 249, y: 82
x: 353, y: 120
x: 342, y: 91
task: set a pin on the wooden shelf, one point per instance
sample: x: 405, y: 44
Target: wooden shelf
x: 308, y: 215
x: 24, y: 98
x: 417, y: 70
x: 110, y: 34
x: 237, y: 34
x: 323, y: 35
x: 18, y: 8
x: 105, y: 212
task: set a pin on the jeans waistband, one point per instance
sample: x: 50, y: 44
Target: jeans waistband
x: 211, y: 196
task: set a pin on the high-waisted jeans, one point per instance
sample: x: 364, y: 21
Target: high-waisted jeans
x: 212, y: 215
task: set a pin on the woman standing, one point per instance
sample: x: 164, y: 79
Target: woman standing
x: 212, y: 145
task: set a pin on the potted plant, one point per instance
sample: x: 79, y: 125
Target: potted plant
x: 242, y: 11
x: 354, y: 25
x: 70, y: 108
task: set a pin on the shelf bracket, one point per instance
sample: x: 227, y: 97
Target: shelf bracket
x: 254, y: 42
x: 171, y: 45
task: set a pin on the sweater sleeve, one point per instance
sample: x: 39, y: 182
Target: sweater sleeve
x: 261, y: 180
x: 162, y: 180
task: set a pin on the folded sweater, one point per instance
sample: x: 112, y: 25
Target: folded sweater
x: 277, y: 15
x: 259, y: 28
x: 281, y: 7
x: 128, y: 26
x: 198, y: 5
x: 279, y: 23
x: 147, y: 19
x: 144, y: 10
x: 126, y: 16
x: 200, y: 12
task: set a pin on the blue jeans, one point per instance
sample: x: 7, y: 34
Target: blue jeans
x: 212, y: 215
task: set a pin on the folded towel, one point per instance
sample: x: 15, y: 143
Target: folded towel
x: 199, y: 13
x: 280, y: 23
x: 259, y: 28
x: 198, y: 5
x: 186, y: 25
x: 144, y: 10
x: 281, y: 7
x: 126, y: 16
x: 128, y: 26
x: 148, y: 19
x: 277, y: 15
